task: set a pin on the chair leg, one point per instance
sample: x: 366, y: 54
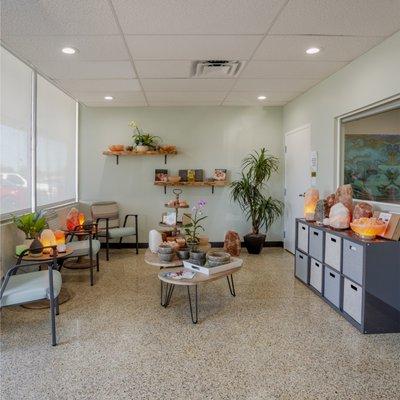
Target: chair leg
x: 107, y: 248
x: 56, y: 300
x: 53, y: 322
x: 137, y: 234
x: 97, y: 262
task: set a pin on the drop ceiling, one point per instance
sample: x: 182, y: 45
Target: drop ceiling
x: 141, y: 51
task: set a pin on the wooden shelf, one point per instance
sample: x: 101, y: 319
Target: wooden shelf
x: 211, y: 184
x: 167, y: 206
x: 117, y: 154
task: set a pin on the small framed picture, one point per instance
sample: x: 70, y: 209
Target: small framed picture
x: 220, y: 174
x: 183, y: 173
x: 198, y: 175
x: 161, y: 175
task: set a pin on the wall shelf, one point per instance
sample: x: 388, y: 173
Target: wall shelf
x: 118, y: 154
x: 211, y: 184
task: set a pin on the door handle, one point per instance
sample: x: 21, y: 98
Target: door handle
x: 302, y: 194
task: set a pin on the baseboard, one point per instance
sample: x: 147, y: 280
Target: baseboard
x: 213, y: 244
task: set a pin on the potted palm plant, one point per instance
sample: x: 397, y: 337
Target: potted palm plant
x: 250, y: 192
x: 31, y: 224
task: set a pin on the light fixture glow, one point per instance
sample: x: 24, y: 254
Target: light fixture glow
x: 261, y: 97
x: 69, y: 50
x: 108, y: 98
x: 313, y: 50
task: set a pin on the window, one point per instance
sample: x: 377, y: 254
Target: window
x: 15, y: 139
x: 56, y: 145
x: 372, y: 156
x: 53, y: 172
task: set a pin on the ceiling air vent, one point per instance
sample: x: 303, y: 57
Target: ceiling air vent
x: 216, y: 68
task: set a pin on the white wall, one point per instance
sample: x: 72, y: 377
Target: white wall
x: 206, y: 137
x: 369, y: 79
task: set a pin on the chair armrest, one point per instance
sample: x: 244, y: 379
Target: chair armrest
x: 92, y: 230
x: 107, y: 224
x: 130, y: 215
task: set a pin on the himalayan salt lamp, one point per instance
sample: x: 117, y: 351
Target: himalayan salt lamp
x: 368, y: 228
x: 48, y: 239
x: 339, y: 217
x: 321, y: 211
x: 344, y: 195
x: 81, y: 218
x: 60, y: 241
x: 72, y: 219
x: 232, y: 243
x: 155, y: 239
x: 330, y: 200
x: 310, y: 202
x: 362, y: 210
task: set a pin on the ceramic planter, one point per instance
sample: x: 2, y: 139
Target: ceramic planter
x: 141, y: 148
x: 254, y: 242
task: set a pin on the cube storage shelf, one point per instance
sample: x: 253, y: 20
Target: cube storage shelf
x: 359, y: 278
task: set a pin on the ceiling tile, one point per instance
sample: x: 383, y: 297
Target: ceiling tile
x: 195, y: 47
x: 187, y: 85
x: 274, y: 85
x: 48, y: 48
x: 250, y: 98
x: 180, y: 96
x: 194, y: 16
x: 291, y: 69
x: 57, y: 17
x: 339, y: 17
x: 100, y: 85
x: 333, y: 48
x: 86, y: 69
x: 254, y: 103
x: 163, y: 68
x: 98, y: 97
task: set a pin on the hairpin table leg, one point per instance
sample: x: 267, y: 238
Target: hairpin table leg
x: 195, y: 318
x: 169, y: 289
x: 231, y: 285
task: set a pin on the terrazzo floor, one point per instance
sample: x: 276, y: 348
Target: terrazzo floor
x: 275, y: 340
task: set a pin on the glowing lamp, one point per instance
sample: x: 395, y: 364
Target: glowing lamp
x: 368, y: 228
x: 60, y: 241
x: 81, y: 218
x: 72, y: 219
x: 47, y: 238
x: 310, y: 202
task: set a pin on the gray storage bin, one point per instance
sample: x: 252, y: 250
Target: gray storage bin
x: 316, y: 274
x: 333, y: 250
x: 332, y: 286
x: 316, y: 243
x: 301, y: 269
x: 352, y: 299
x: 353, y: 259
x: 302, y: 237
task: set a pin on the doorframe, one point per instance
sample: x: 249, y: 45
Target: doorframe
x: 286, y: 134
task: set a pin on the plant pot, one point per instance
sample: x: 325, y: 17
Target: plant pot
x: 165, y: 249
x: 254, y: 242
x: 166, y: 257
x: 197, y: 255
x: 141, y: 148
x: 183, y: 254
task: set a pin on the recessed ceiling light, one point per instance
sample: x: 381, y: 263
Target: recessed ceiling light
x: 261, y: 97
x: 108, y: 98
x: 313, y: 50
x: 69, y: 50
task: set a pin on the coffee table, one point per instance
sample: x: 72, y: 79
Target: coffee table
x: 198, y: 279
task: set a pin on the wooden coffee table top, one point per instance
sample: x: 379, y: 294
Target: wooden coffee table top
x: 197, y: 279
x: 46, y: 256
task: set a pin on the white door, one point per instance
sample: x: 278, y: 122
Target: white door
x: 297, y: 179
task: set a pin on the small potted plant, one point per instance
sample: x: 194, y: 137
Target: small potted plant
x: 143, y: 141
x: 31, y: 224
x: 192, y: 229
x: 250, y: 193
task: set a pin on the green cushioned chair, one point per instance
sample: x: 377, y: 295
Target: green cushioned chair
x: 29, y: 287
x: 106, y: 215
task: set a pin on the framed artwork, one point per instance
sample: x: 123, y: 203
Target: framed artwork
x: 183, y: 173
x: 161, y: 175
x: 220, y: 174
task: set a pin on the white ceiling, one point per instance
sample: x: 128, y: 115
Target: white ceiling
x: 141, y: 51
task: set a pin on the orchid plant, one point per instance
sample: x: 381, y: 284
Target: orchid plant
x: 194, y: 226
x: 143, y: 139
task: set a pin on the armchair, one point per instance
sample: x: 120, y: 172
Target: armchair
x: 106, y: 215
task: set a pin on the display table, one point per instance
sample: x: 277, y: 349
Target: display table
x: 153, y: 259
x: 198, y: 279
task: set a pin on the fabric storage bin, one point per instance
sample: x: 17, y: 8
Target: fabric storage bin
x: 353, y: 260
x: 316, y: 275
x: 352, y: 299
x: 301, y: 269
x: 316, y: 243
x: 302, y: 237
x: 332, y: 286
x: 333, y: 250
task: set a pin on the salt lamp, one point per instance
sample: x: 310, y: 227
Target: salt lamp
x: 81, y: 218
x: 368, y: 228
x: 48, y: 239
x: 60, y: 241
x: 310, y: 202
x: 321, y: 211
x: 362, y: 210
x: 72, y: 219
x: 339, y: 216
x: 344, y: 195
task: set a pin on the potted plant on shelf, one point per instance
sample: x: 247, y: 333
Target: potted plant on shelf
x: 250, y: 193
x: 31, y: 224
x: 143, y: 141
x: 192, y: 229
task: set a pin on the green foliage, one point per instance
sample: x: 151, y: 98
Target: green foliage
x: 193, y: 227
x: 143, y: 139
x: 31, y: 224
x: 249, y: 191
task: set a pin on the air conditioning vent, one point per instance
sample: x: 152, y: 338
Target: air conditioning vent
x: 216, y: 68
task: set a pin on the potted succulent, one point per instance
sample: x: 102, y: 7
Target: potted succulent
x: 192, y: 229
x: 31, y: 224
x: 250, y: 193
x: 143, y: 141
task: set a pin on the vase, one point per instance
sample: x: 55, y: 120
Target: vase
x: 142, y: 149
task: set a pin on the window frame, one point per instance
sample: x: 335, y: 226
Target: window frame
x: 6, y: 217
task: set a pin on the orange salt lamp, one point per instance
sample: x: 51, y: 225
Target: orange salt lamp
x: 60, y: 241
x: 368, y: 228
x: 72, y: 219
x: 81, y: 218
x: 310, y: 202
x: 47, y: 238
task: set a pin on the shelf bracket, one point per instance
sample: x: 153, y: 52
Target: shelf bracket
x: 117, y: 159
x: 165, y: 190
x: 165, y: 159
x: 212, y: 189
